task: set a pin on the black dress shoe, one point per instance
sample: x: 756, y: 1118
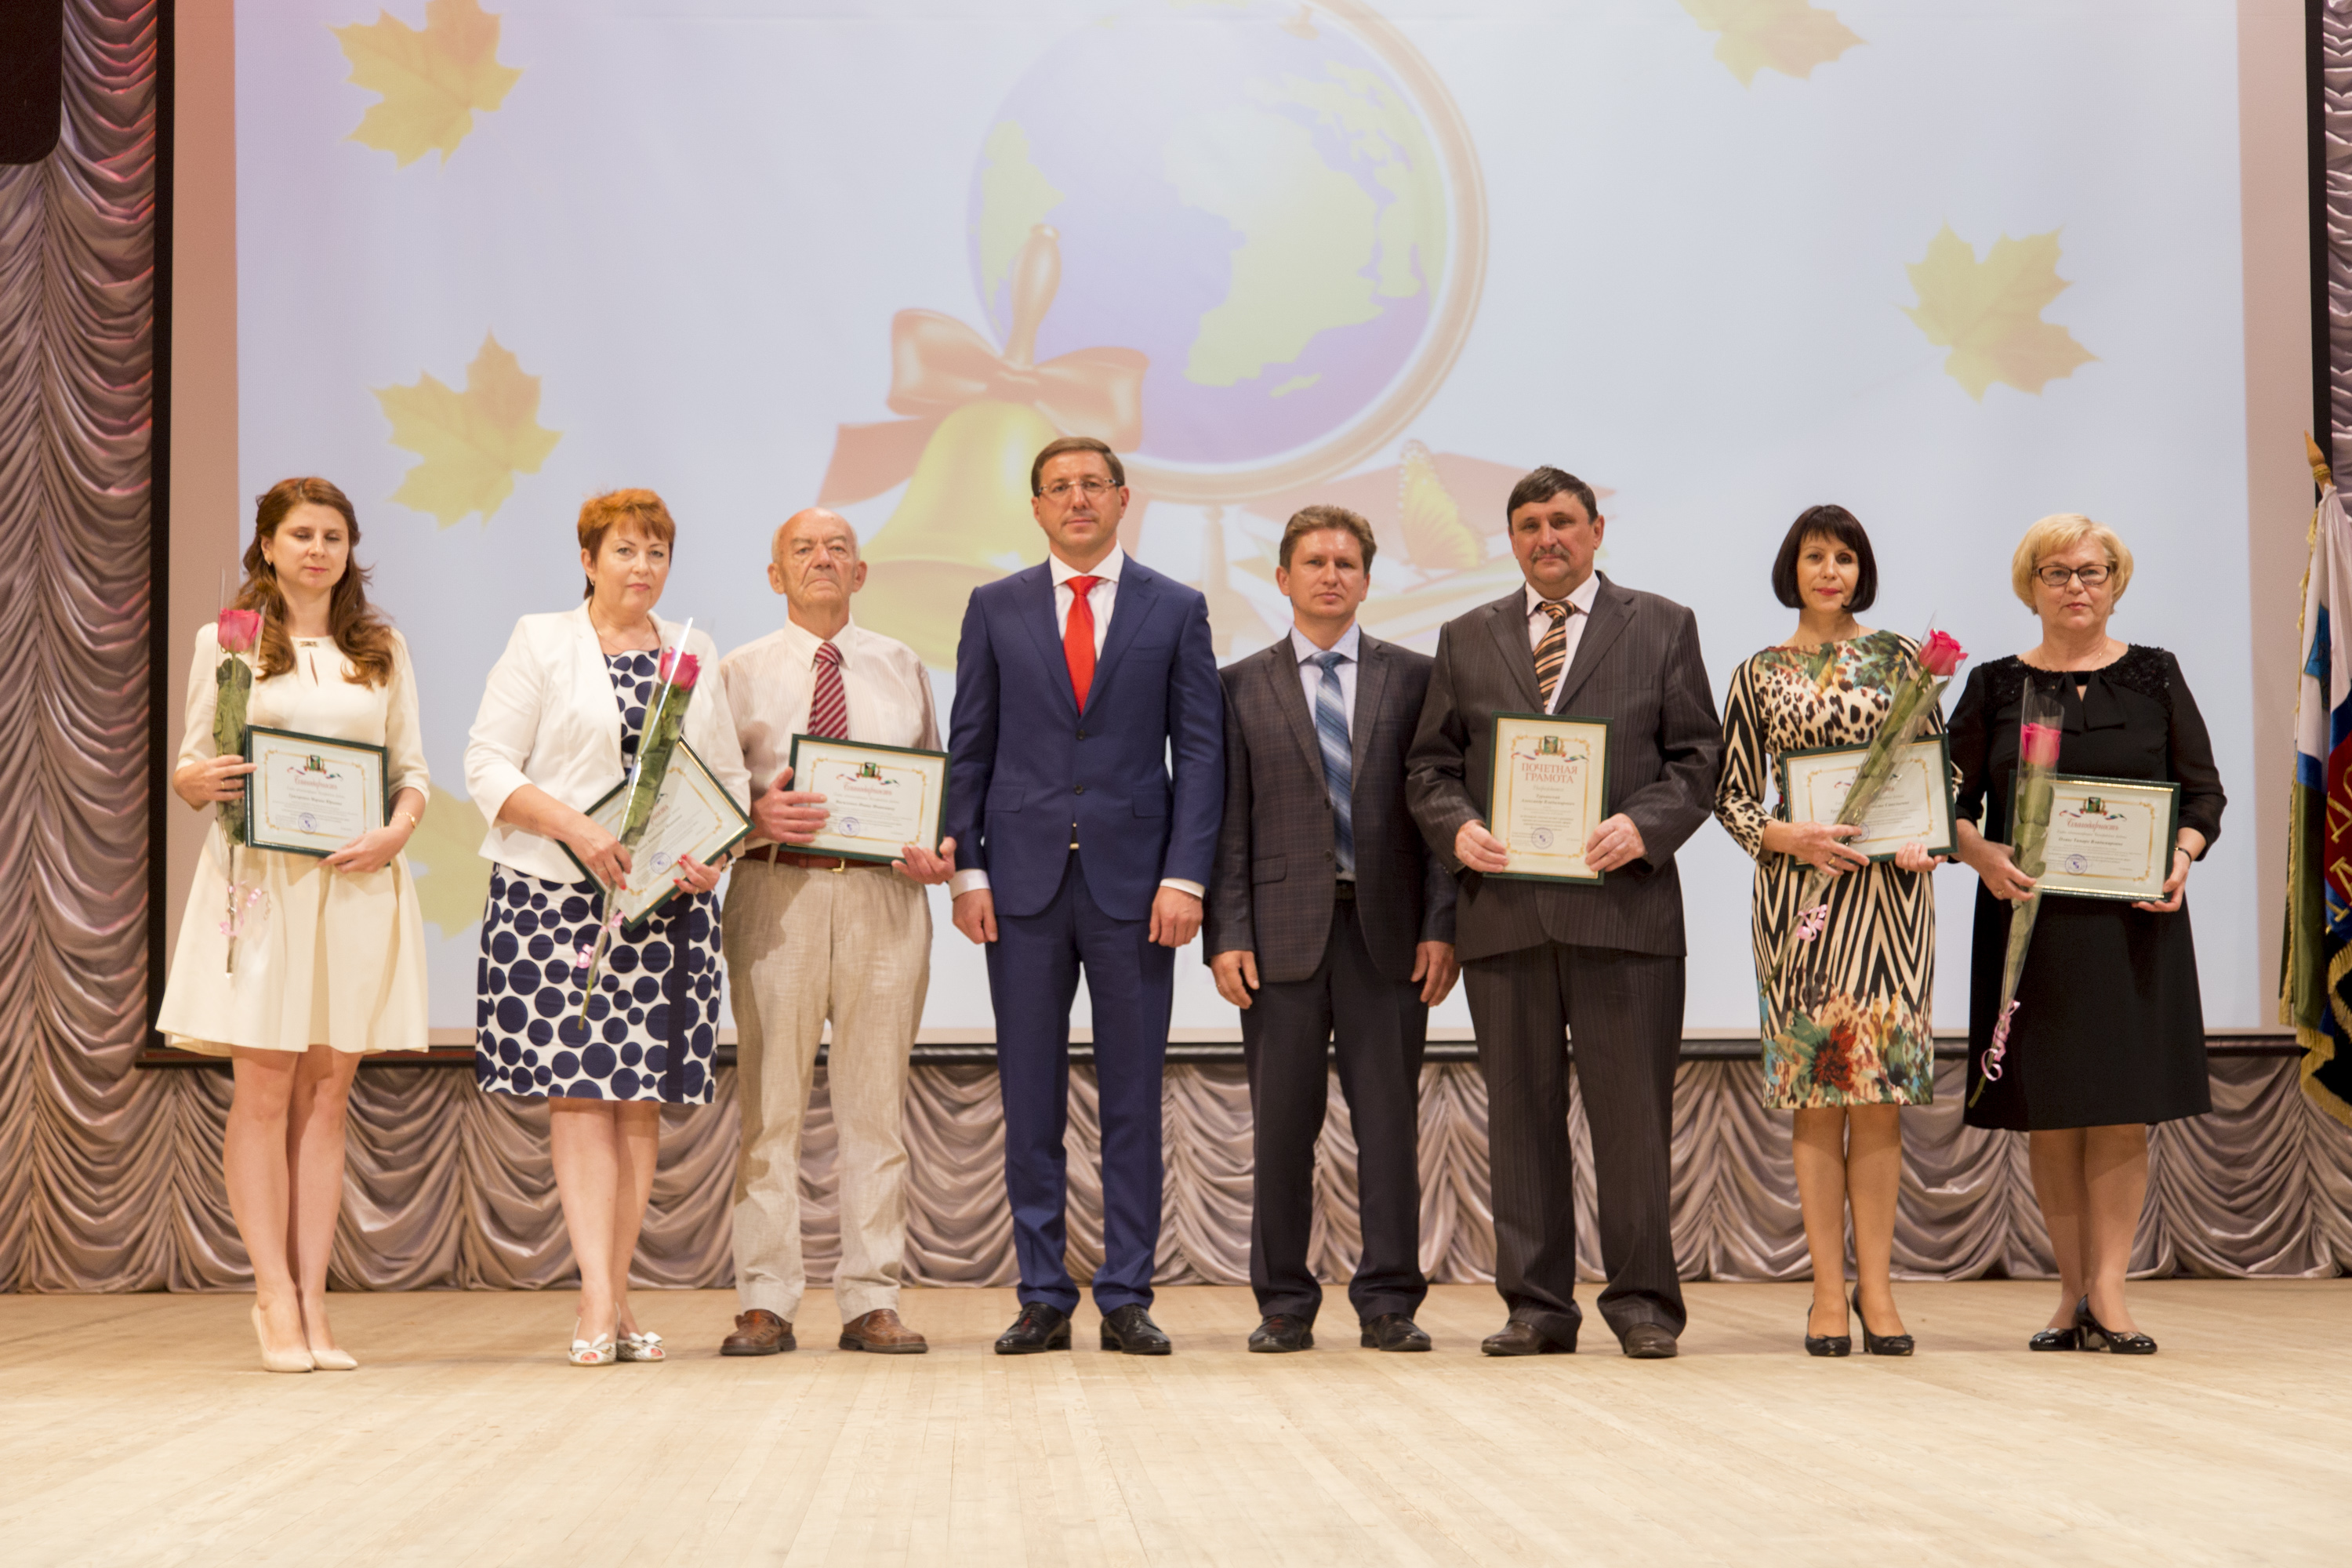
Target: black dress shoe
x: 2056, y: 1339
x: 1394, y: 1331
x: 1042, y: 1326
x: 1826, y: 1344
x: 1878, y: 1344
x: 1523, y: 1338
x: 1647, y: 1341
x: 2097, y: 1336
x: 1281, y: 1333
x: 1130, y: 1329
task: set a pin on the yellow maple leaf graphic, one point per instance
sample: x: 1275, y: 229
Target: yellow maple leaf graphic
x: 1786, y: 36
x: 1988, y: 312
x: 432, y: 81
x: 452, y: 879
x: 473, y: 442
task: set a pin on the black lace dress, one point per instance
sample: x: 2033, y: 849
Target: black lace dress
x: 2109, y: 1028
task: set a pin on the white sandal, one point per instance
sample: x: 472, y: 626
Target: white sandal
x: 599, y: 1352
x: 644, y: 1346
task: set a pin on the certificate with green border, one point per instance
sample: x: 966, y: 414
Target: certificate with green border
x: 2110, y: 838
x: 877, y: 799
x: 1548, y: 790
x: 693, y: 817
x: 311, y: 795
x: 1915, y: 806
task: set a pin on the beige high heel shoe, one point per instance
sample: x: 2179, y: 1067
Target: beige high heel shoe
x: 332, y: 1360
x: 278, y: 1361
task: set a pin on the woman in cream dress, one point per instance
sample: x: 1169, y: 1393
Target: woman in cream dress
x: 328, y: 962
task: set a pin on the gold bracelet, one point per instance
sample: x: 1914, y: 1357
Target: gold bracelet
x: 414, y: 822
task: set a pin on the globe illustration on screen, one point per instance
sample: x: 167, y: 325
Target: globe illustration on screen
x: 1275, y: 203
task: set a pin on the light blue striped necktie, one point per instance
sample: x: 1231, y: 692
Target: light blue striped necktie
x: 1331, y: 732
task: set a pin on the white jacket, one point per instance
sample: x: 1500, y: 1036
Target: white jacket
x: 548, y: 718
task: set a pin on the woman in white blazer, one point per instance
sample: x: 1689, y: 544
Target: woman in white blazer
x: 557, y: 728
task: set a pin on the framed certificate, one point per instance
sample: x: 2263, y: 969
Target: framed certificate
x: 1914, y: 806
x: 693, y: 817
x: 877, y: 799
x: 1548, y: 789
x: 2110, y: 838
x: 309, y: 794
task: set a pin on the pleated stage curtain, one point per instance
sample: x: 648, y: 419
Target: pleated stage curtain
x: 109, y: 1175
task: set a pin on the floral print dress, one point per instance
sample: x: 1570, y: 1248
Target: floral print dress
x: 1849, y: 1022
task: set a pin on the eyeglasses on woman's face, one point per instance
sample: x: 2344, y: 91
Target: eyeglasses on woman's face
x: 2056, y: 576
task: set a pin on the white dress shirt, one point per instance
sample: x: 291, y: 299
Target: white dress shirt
x: 1100, y: 599
x: 1539, y: 623
x: 771, y: 682
x: 1349, y: 647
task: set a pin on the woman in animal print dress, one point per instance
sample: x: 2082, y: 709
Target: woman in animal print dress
x: 1847, y: 1039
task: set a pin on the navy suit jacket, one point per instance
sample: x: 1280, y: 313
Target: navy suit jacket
x: 1024, y: 765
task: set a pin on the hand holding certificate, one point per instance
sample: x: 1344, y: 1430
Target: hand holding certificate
x: 878, y: 800
x: 1549, y: 795
x: 692, y: 818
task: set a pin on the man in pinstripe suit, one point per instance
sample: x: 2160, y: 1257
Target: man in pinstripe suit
x: 1331, y: 926
x: 1604, y: 962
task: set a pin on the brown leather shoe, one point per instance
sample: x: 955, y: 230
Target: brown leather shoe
x: 1522, y: 1339
x: 880, y: 1331
x: 758, y: 1332
x: 1648, y: 1341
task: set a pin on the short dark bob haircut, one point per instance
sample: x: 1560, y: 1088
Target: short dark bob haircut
x: 1837, y: 524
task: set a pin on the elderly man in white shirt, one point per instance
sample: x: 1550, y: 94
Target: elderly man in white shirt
x: 812, y: 940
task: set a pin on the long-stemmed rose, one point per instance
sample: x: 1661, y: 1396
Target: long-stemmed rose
x: 2041, y: 730
x: 1906, y: 714
x: 238, y: 631
x: 664, y: 722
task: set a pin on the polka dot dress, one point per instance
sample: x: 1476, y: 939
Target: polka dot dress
x: 652, y: 1027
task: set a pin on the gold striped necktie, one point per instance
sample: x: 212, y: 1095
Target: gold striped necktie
x: 1552, y: 654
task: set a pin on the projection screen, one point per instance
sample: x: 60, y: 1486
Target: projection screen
x: 1952, y: 267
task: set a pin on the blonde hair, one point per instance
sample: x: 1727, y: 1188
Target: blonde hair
x: 2064, y: 530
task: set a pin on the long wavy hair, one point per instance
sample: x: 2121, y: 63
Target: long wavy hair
x: 362, y: 634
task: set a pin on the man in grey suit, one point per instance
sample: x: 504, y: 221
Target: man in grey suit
x: 1604, y: 961
x: 1328, y: 919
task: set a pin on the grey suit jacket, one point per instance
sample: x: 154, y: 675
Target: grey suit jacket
x: 1638, y: 663
x: 1272, y: 887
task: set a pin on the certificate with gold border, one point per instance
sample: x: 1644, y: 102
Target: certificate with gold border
x: 1915, y: 806
x: 2110, y: 838
x: 311, y: 795
x: 693, y: 818
x: 1549, y: 789
x: 877, y: 799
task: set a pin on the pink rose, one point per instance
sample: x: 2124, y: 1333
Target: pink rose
x: 239, y: 630
x: 2037, y: 745
x: 1941, y: 655
x: 680, y: 668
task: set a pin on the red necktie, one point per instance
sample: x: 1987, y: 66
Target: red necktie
x: 1078, y: 639
x: 828, y: 703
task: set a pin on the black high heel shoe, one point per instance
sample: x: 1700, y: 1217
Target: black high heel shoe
x: 1825, y: 1345
x: 1878, y: 1344
x: 2096, y: 1336
x: 2056, y: 1339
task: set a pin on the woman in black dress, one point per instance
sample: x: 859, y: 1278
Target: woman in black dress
x: 2109, y: 1034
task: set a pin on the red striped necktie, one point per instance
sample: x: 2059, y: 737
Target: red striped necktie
x: 828, y: 717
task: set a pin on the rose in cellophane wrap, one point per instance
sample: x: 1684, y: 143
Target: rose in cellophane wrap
x: 1920, y: 695
x: 238, y: 631
x: 664, y: 721
x: 2040, y: 729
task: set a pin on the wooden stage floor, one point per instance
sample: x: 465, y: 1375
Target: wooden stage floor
x: 141, y: 1429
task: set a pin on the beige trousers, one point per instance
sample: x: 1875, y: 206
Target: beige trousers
x: 803, y: 948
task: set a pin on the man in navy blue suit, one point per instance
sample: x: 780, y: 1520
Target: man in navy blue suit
x: 1076, y: 681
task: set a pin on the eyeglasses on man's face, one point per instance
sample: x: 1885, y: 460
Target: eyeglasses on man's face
x: 1093, y: 489
x: 2055, y: 576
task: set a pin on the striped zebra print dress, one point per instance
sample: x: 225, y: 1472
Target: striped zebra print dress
x: 1849, y: 1024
